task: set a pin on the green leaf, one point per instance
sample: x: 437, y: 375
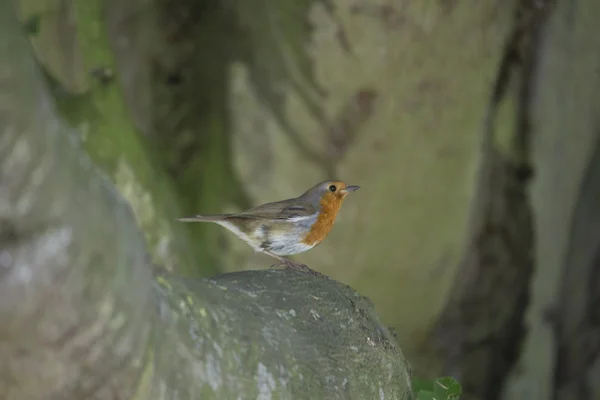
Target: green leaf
x: 426, y: 395
x: 422, y: 385
x: 447, y: 388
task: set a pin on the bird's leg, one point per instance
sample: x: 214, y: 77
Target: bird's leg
x: 286, y: 262
x: 293, y: 264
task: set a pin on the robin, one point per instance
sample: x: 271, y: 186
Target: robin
x: 286, y: 227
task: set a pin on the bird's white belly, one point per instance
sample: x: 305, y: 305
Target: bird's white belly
x: 285, y: 246
x: 281, y: 241
x: 286, y: 239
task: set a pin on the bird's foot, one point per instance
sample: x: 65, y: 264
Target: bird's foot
x: 296, y: 266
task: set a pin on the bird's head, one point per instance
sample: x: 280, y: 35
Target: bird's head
x: 329, y: 192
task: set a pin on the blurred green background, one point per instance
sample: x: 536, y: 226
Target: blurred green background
x: 215, y: 106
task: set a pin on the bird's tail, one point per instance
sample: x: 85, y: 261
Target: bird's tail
x: 204, y: 218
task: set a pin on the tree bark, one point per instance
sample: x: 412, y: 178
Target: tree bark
x: 481, y: 330
x: 95, y: 53
x: 522, y: 321
x: 576, y: 315
x: 566, y: 131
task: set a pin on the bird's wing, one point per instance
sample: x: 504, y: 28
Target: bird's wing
x: 286, y: 209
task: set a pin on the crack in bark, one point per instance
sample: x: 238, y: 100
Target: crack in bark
x: 481, y: 330
x: 577, y: 320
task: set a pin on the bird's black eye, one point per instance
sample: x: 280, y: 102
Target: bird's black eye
x: 332, y: 188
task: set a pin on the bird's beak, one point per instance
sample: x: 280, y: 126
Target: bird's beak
x: 349, y: 189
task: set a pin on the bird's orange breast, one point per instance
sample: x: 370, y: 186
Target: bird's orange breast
x: 330, y: 206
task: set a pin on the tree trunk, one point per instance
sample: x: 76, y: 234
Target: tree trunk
x: 522, y: 322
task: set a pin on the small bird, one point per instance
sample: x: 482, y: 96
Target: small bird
x: 286, y: 227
